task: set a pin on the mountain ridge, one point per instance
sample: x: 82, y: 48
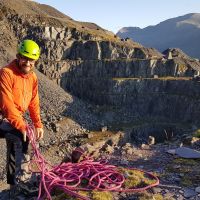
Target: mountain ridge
x: 180, y: 32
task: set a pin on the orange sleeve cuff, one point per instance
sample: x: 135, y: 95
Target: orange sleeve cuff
x: 38, y: 125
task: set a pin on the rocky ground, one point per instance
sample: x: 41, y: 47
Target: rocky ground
x: 179, y: 178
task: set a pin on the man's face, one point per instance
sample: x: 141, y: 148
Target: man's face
x: 26, y: 64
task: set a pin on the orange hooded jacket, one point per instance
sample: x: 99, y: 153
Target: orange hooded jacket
x: 19, y: 92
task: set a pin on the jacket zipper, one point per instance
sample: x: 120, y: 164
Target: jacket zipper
x: 24, y: 96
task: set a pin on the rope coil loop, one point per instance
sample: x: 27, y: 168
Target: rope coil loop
x: 86, y: 175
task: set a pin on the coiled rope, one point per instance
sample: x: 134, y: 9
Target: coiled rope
x: 85, y: 175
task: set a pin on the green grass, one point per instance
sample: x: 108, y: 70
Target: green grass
x: 197, y: 133
x: 97, y: 195
x: 159, y: 78
x: 135, y: 179
x: 149, y: 196
x: 188, y: 167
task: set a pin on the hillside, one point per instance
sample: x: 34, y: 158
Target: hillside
x: 181, y: 32
x: 109, y: 96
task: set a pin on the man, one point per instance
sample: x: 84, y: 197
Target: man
x: 18, y: 93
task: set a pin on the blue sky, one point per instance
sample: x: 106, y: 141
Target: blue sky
x: 115, y: 14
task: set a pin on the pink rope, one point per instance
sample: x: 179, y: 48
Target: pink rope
x: 86, y: 175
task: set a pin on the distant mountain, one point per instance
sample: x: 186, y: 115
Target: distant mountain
x: 181, y: 32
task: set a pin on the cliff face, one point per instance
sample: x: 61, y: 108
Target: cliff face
x: 163, y: 100
x: 127, y: 80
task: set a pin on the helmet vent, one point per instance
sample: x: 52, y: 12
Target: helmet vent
x: 29, y: 49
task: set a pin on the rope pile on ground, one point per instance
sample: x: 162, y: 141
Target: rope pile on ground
x: 83, y: 176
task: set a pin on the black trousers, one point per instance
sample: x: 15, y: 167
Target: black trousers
x: 17, y: 150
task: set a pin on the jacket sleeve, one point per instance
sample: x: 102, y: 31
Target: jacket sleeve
x: 7, y: 104
x: 34, y: 107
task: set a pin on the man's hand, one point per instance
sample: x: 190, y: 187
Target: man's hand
x: 39, y: 132
x: 24, y: 135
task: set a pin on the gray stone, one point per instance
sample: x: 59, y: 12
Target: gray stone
x: 180, y: 197
x: 105, y: 128
x: 169, y: 55
x: 155, y: 76
x: 151, y: 140
x: 41, y: 143
x: 197, y: 189
x: 168, y: 195
x: 62, y: 35
x: 109, y: 149
x: 60, y: 118
x: 57, y: 129
x: 185, y: 152
x: 156, y: 190
x: 188, y: 193
x: 130, y: 151
x: 143, y: 146
x: 124, y: 162
x: 61, y: 154
x: 47, y: 33
x: 90, y: 135
x: 127, y: 145
x: 54, y: 33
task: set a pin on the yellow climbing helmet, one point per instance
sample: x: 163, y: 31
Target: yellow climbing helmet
x: 30, y: 49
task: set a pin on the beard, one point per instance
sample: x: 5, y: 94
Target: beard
x: 25, y: 69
